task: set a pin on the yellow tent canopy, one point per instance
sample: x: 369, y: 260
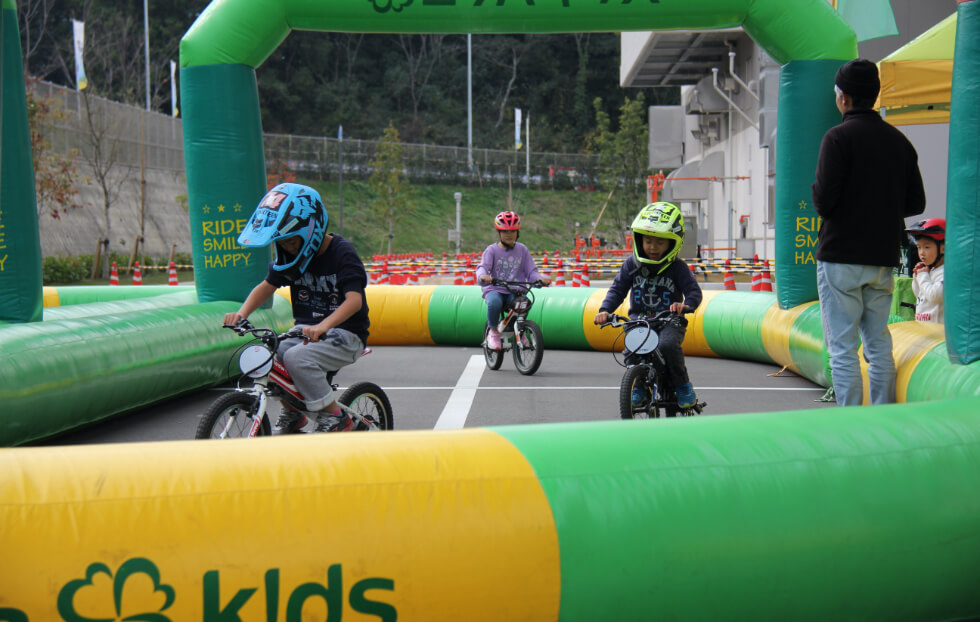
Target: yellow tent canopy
x: 916, y: 78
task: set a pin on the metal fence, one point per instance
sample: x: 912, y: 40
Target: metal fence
x: 128, y: 133
x: 322, y: 158
x: 120, y: 126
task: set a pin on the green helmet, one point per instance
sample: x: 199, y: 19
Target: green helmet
x: 660, y: 220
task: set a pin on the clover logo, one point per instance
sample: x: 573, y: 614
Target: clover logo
x: 383, y: 6
x: 87, y: 592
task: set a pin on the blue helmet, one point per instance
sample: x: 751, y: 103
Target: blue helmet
x: 287, y: 211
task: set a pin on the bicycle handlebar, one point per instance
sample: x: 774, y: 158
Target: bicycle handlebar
x: 244, y: 327
x: 617, y: 321
x: 535, y: 284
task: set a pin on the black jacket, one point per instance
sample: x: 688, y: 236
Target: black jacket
x: 650, y: 292
x: 868, y: 182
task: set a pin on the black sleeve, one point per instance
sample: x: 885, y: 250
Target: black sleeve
x: 831, y: 175
x: 915, y: 194
x: 689, y: 285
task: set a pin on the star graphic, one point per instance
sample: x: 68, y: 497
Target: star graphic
x: 802, y: 204
x: 238, y: 207
x: 221, y: 208
x: 206, y: 209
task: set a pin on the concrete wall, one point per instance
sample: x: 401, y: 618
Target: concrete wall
x: 165, y: 219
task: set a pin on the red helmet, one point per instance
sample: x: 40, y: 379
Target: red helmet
x: 934, y: 228
x: 507, y: 221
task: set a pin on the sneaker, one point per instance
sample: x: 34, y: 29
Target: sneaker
x: 525, y: 342
x: 333, y: 423
x: 291, y: 422
x: 686, y: 397
x: 493, y: 339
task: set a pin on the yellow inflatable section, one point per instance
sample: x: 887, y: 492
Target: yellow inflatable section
x: 283, y: 529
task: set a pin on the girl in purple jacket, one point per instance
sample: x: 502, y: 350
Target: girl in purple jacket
x: 507, y: 260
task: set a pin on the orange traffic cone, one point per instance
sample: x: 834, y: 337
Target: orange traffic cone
x: 729, y: 276
x: 137, y: 275
x: 766, y: 282
x: 576, y: 277
x: 560, y: 278
x: 586, y: 282
x: 457, y: 277
x: 413, y: 274
x: 114, y: 275
x: 757, y: 281
x: 172, y: 277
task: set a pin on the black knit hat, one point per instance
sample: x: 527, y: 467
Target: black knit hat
x: 858, y: 78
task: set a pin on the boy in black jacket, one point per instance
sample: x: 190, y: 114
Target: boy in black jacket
x: 656, y: 280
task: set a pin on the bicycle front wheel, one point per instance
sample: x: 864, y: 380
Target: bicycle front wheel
x: 494, y: 357
x: 527, y: 358
x: 370, y: 402
x: 231, y: 416
x: 636, y: 378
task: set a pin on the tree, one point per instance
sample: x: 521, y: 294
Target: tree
x: 624, y: 157
x: 388, y: 181
x: 55, y: 174
x: 101, y: 152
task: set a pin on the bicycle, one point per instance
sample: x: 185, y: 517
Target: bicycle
x: 244, y: 413
x: 517, y: 333
x: 645, y: 365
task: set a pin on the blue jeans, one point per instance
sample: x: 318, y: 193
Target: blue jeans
x: 854, y: 305
x: 495, y: 305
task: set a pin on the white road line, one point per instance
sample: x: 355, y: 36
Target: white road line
x: 582, y: 388
x: 458, y: 405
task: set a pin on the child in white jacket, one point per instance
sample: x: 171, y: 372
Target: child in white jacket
x: 927, y: 284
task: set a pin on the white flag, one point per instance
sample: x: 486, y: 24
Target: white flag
x: 78, y: 28
x: 173, y: 88
x: 517, y: 128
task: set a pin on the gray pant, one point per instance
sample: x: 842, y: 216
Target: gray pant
x: 308, y: 364
x: 854, y: 305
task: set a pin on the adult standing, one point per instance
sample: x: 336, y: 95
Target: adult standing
x: 867, y: 183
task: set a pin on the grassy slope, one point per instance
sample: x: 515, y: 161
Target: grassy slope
x: 547, y: 217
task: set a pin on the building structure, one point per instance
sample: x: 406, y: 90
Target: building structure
x: 718, y: 147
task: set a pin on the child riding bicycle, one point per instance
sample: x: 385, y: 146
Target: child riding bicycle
x: 327, y: 281
x: 508, y: 260
x: 657, y: 280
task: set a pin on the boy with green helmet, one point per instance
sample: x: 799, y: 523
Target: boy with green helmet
x: 657, y: 280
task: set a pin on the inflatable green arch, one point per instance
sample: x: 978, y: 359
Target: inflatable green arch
x: 223, y: 135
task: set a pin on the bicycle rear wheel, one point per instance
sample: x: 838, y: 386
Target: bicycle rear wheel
x: 231, y: 416
x: 494, y: 357
x: 527, y: 360
x: 636, y: 378
x: 371, y: 402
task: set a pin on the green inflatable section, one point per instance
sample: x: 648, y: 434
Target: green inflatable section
x: 806, y: 111
x: 20, y: 241
x: 73, y: 295
x: 225, y: 166
x: 963, y: 198
x: 860, y: 513
x: 69, y: 372
x: 733, y: 324
x: 457, y: 316
x: 807, y: 349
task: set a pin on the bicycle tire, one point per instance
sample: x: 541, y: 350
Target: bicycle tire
x: 370, y: 401
x: 494, y: 358
x: 528, y: 360
x: 627, y: 410
x: 238, y: 406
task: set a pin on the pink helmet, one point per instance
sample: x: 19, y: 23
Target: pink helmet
x: 507, y: 221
